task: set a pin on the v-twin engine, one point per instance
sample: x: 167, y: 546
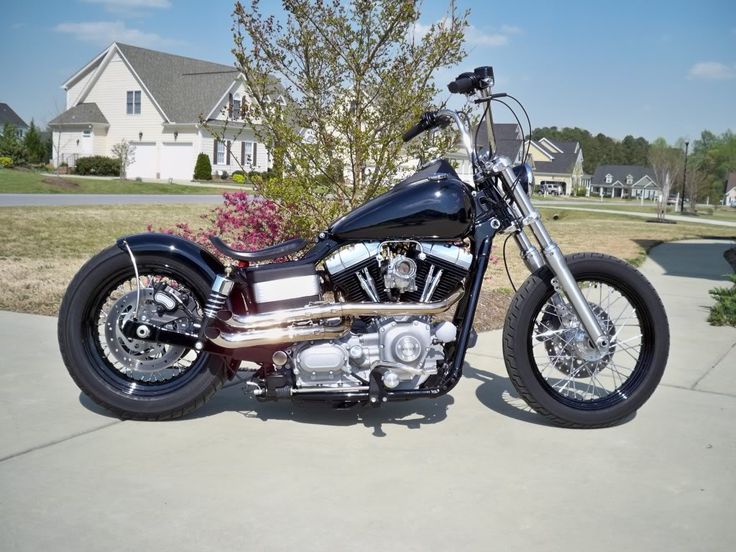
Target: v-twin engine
x: 409, y: 348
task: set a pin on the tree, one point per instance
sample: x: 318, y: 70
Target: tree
x: 124, y: 152
x: 35, y: 149
x: 203, y: 168
x: 354, y: 78
x: 11, y: 146
x: 666, y: 162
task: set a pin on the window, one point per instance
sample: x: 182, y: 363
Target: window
x: 247, y: 154
x: 219, y: 152
x: 609, y: 179
x: 133, y: 103
x: 236, y: 109
x: 629, y: 180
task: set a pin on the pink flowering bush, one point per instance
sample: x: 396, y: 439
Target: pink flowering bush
x: 243, y: 222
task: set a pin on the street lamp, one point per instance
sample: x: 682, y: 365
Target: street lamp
x: 684, y: 181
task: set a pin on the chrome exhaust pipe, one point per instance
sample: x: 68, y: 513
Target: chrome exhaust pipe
x: 340, y: 310
x: 272, y: 336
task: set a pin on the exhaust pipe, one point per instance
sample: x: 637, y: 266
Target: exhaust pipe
x: 272, y: 336
x: 339, y: 310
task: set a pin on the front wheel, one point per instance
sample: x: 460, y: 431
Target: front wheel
x: 550, y: 359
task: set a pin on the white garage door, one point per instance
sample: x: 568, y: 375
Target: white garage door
x: 177, y: 160
x: 144, y: 162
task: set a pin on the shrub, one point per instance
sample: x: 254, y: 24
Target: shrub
x: 238, y: 178
x: 6, y: 162
x: 203, y: 168
x: 723, y: 313
x: 97, y: 165
x: 238, y: 172
x: 223, y: 175
x: 580, y: 192
x: 244, y: 222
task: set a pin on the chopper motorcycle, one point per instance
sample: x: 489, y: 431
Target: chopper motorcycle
x: 379, y: 308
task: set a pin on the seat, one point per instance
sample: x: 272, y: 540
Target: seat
x: 273, y: 252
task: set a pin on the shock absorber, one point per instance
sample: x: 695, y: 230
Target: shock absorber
x: 221, y: 288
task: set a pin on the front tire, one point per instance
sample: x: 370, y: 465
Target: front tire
x: 133, y: 379
x: 549, y: 358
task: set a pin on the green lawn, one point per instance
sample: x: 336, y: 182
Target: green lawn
x: 704, y: 212
x: 28, y: 182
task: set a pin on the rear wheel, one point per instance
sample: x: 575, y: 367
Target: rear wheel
x: 551, y: 361
x: 130, y: 377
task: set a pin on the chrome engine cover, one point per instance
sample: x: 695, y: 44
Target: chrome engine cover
x: 408, y: 346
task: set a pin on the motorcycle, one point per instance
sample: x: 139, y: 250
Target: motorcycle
x: 152, y: 327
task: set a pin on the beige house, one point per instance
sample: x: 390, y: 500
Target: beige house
x: 558, y: 166
x: 157, y: 102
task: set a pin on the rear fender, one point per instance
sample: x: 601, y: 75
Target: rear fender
x: 174, y: 247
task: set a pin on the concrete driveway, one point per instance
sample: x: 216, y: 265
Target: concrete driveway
x: 472, y: 471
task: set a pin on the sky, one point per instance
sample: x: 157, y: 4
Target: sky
x: 647, y: 68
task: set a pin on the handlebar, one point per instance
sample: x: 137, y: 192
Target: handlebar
x: 427, y: 122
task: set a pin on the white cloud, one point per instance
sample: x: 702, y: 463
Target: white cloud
x: 473, y: 35
x: 103, y: 33
x: 712, y: 70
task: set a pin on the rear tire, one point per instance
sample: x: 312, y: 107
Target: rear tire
x: 91, y: 367
x: 568, y: 403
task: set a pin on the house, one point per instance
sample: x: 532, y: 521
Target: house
x: 157, y: 102
x: 729, y: 197
x: 558, y: 166
x: 509, y: 139
x: 10, y: 117
x: 624, y: 181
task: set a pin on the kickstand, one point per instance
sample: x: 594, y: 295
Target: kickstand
x: 376, y: 388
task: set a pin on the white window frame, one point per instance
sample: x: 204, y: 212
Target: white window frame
x: 236, y: 108
x: 609, y: 179
x: 220, y: 155
x: 133, y: 102
x: 629, y: 180
x: 249, y: 153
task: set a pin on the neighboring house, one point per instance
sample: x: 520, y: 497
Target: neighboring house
x: 558, y: 166
x: 10, y: 117
x: 624, y: 181
x: 508, y: 143
x: 729, y: 198
x: 156, y: 101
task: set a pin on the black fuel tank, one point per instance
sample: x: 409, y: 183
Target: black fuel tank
x: 432, y: 204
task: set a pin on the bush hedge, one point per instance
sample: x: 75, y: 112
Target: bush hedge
x: 6, y: 162
x: 97, y: 165
x: 203, y: 168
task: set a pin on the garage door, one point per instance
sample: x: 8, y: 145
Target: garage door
x: 177, y: 160
x: 144, y: 162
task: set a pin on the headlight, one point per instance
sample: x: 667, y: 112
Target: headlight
x: 525, y: 176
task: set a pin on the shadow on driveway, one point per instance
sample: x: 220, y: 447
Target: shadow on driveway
x: 693, y: 260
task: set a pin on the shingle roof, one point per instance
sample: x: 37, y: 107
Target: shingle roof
x: 561, y: 163
x: 80, y: 114
x: 185, y: 88
x: 620, y: 172
x: 508, y: 138
x: 8, y: 116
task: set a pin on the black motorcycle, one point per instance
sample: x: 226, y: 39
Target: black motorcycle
x: 151, y: 327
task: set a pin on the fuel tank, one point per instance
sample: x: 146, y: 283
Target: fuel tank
x: 432, y: 204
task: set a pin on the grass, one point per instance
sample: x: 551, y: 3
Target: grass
x: 28, y: 182
x: 723, y: 312
x: 41, y: 248
x: 717, y: 212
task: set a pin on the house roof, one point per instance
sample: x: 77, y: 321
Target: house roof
x: 185, y: 88
x: 80, y: 114
x: 8, y: 116
x: 620, y: 172
x: 731, y: 182
x: 560, y: 163
x: 508, y: 138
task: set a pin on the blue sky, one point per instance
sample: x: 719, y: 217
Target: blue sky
x: 650, y: 68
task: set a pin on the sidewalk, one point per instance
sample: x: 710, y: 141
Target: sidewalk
x: 475, y: 470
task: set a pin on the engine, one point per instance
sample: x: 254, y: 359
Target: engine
x: 410, y: 348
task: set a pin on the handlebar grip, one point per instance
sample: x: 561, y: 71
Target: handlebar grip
x: 414, y: 131
x: 461, y: 85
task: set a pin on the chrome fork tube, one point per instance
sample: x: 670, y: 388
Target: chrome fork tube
x: 552, y: 254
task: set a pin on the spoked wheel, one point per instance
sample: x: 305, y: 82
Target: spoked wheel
x: 136, y: 378
x: 551, y: 361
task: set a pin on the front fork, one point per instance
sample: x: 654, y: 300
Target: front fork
x: 550, y: 256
